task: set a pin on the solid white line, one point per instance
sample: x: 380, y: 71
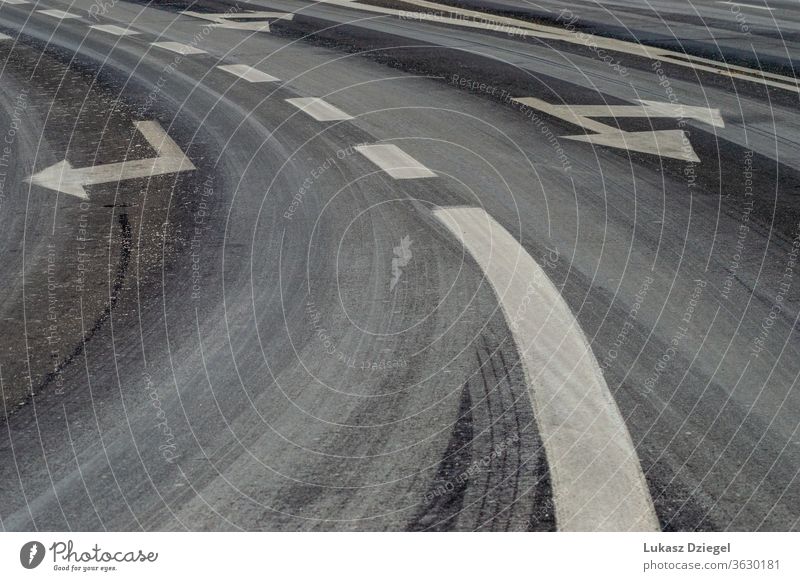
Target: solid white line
x: 58, y: 14
x: 596, y: 477
x: 523, y: 28
x: 394, y: 161
x: 748, y: 6
x: 178, y: 47
x: 319, y: 109
x: 112, y: 29
x: 248, y: 73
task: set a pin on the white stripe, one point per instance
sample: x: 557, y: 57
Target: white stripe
x: 596, y: 478
x: 112, y: 29
x: 394, y: 161
x: 14, y: 2
x: 178, y: 47
x: 515, y: 27
x: 747, y: 6
x: 319, y: 109
x: 248, y: 73
x: 58, y: 14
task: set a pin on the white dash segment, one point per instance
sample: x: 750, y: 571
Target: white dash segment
x: 115, y: 30
x: 178, y: 47
x: 596, y: 477
x: 248, y: 73
x: 58, y: 14
x: 394, y: 161
x: 319, y: 109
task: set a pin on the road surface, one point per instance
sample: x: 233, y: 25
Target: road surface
x: 399, y: 266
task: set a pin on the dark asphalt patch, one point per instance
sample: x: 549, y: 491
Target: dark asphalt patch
x: 81, y: 258
x: 445, y: 497
x: 493, y: 475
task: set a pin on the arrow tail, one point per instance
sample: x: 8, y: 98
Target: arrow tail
x: 128, y: 170
x: 159, y: 140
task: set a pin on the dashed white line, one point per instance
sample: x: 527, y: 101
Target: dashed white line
x: 58, y: 14
x: 319, y: 109
x: 115, y: 30
x: 596, y: 477
x: 394, y: 161
x: 248, y: 73
x: 178, y: 47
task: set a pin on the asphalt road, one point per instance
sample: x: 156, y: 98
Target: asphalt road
x: 762, y: 34
x: 505, y: 276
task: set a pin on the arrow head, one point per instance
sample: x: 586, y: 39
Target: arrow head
x: 60, y: 177
x: 671, y: 143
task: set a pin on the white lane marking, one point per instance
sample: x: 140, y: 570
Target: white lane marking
x: 596, y: 477
x: 112, y: 29
x: 58, y: 14
x: 178, y: 47
x: 747, y: 6
x: 62, y: 177
x: 319, y: 109
x: 665, y: 143
x: 394, y: 161
x: 14, y: 2
x: 248, y: 73
x: 515, y: 27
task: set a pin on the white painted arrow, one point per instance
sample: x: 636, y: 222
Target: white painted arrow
x: 646, y: 109
x: 62, y: 177
x: 665, y: 143
x: 231, y: 20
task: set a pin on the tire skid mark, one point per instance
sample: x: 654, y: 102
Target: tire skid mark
x: 105, y: 315
x: 441, y: 512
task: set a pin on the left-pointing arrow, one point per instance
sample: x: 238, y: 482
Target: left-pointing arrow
x: 62, y: 177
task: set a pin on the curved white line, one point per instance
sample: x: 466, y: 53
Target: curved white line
x: 595, y: 473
